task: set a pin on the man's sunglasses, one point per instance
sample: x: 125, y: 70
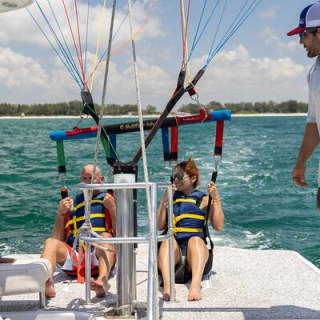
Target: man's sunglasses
x: 310, y: 30
x: 178, y: 175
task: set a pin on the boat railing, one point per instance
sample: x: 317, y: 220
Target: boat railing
x: 126, y: 279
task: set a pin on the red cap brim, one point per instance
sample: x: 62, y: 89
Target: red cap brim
x: 296, y: 31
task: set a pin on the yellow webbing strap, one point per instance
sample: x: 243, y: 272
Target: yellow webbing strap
x: 188, y: 215
x: 81, y: 204
x: 185, y: 200
x: 99, y: 229
x: 92, y: 216
x: 178, y: 229
x: 74, y: 221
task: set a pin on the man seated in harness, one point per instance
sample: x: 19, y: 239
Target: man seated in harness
x: 189, y: 208
x: 69, y: 218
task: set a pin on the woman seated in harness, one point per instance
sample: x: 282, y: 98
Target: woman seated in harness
x: 189, y: 207
x: 69, y: 218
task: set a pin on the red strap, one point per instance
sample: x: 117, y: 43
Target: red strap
x: 76, y: 131
x: 174, y: 143
x: 202, y: 116
x: 79, y: 271
x: 107, y: 218
x: 219, y: 138
x: 192, y: 91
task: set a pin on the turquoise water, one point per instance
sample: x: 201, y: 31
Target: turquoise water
x: 263, y: 209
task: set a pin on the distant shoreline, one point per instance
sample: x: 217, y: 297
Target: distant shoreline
x: 156, y: 116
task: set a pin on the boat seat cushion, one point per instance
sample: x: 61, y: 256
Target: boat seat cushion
x: 24, y: 278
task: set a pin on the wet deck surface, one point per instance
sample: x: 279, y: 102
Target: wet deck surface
x: 244, y: 284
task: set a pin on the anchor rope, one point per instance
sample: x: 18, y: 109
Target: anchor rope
x: 143, y: 147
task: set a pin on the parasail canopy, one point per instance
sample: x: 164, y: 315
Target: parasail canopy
x: 9, y: 5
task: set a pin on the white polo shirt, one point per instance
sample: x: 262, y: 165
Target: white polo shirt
x: 314, y: 94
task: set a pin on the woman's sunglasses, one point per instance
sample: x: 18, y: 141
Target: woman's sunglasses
x: 310, y: 30
x: 178, y: 176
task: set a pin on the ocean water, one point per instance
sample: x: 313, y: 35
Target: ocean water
x: 263, y: 209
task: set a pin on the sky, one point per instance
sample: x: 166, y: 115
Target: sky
x: 259, y: 63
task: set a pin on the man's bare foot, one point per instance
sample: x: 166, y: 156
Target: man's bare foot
x: 7, y: 260
x: 194, y: 292
x: 49, y: 291
x: 99, y: 287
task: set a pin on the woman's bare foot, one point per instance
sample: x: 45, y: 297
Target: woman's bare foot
x: 99, y: 286
x: 166, y: 296
x: 49, y: 291
x: 166, y: 292
x: 7, y: 260
x: 194, y: 292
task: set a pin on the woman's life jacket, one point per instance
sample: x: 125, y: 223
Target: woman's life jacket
x: 188, y: 217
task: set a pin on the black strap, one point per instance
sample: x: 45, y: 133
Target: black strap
x: 206, y: 222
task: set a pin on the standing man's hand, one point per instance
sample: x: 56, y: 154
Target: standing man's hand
x: 298, y: 175
x: 311, y: 140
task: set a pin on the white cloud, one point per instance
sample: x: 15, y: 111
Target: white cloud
x: 272, y: 39
x: 236, y: 76
x: 18, y: 71
x: 99, y: 22
x: 270, y: 13
x: 23, y: 74
x: 154, y: 83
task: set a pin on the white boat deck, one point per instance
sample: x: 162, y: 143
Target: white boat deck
x: 244, y: 284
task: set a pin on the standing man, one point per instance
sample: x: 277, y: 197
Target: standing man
x: 309, y: 33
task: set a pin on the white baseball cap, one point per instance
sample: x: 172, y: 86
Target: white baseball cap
x: 309, y: 18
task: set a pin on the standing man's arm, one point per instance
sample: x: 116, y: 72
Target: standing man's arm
x: 310, y: 141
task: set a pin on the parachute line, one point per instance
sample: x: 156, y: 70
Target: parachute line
x: 66, y: 50
x: 74, y: 56
x: 197, y: 38
x: 218, y: 28
x: 242, y: 15
x: 79, y: 41
x: 78, y: 81
x: 73, y: 38
x: 86, y: 43
x: 184, y: 30
x: 240, y: 19
x: 113, y: 38
x: 96, y: 63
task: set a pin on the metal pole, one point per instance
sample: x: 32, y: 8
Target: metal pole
x: 171, y: 247
x: 153, y: 305
x: 125, y: 256
x: 87, y: 271
x: 87, y: 197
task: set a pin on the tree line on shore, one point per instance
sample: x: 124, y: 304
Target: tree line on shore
x: 74, y: 108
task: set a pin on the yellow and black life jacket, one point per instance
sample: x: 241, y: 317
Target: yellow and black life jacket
x: 188, y: 217
x: 99, y: 216
x: 100, y: 221
x: 190, y: 221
